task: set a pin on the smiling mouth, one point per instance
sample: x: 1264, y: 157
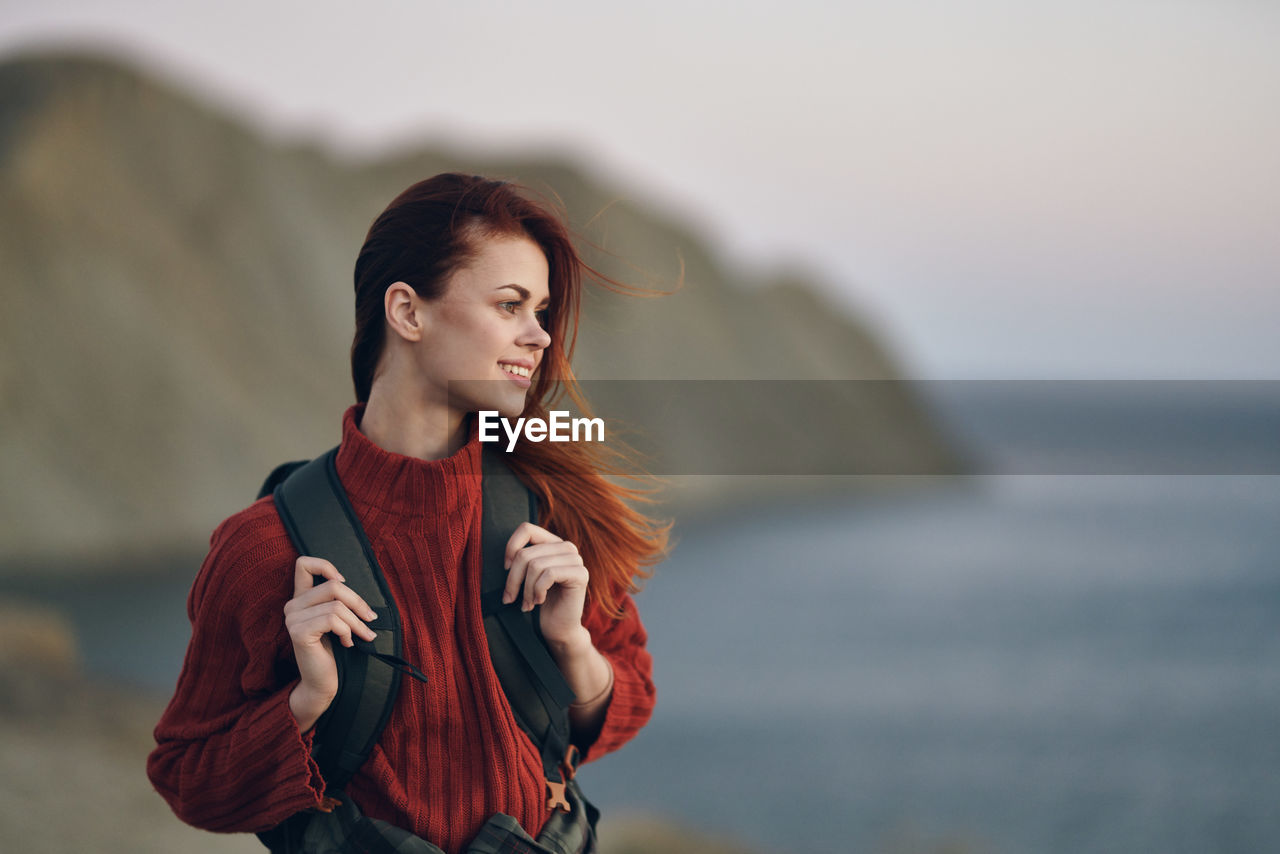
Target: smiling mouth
x: 516, y: 370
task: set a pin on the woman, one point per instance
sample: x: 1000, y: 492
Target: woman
x: 466, y: 300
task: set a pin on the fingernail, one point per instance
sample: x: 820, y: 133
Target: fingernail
x: 507, y: 598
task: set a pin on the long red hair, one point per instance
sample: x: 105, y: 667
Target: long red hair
x: 423, y: 236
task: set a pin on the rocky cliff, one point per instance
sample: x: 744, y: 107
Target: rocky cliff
x: 177, y: 312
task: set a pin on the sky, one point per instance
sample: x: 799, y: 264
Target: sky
x: 1005, y: 189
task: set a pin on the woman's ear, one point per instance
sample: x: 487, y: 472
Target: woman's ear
x: 402, y: 306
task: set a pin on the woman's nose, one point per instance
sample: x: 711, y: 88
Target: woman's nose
x: 535, y: 336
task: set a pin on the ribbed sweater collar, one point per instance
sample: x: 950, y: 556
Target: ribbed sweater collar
x: 405, y: 486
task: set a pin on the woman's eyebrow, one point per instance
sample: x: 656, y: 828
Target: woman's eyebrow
x: 525, y: 294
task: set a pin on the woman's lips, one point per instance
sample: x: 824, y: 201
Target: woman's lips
x: 521, y: 375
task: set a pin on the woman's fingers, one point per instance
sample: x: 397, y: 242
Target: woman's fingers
x: 539, y: 583
x: 534, y: 573
x: 331, y: 591
x: 540, y: 556
x: 306, y: 568
x: 308, y: 625
x: 307, y: 594
x: 526, y: 534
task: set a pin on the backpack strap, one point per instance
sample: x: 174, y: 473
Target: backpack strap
x: 277, y: 476
x: 315, y: 511
x: 531, y: 679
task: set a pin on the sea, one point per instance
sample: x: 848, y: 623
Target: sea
x: 1046, y: 657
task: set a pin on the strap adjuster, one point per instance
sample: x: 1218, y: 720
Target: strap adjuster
x: 555, y: 796
x: 569, y: 765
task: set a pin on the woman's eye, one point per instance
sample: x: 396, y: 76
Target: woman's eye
x: 509, y: 306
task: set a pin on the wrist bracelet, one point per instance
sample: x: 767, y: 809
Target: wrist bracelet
x: 603, y: 695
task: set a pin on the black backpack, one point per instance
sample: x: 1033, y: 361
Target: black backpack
x: 321, y: 522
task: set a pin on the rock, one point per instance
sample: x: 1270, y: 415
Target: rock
x: 221, y: 262
x: 36, y: 637
x: 73, y: 752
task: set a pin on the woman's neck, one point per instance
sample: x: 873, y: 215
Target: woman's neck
x: 396, y: 420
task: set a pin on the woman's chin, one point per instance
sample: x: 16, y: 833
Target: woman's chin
x: 505, y: 398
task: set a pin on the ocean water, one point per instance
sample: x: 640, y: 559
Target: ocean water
x: 1083, y: 656
x: 1013, y: 663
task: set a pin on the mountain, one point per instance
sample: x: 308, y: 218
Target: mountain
x: 177, y: 314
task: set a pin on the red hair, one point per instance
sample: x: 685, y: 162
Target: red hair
x: 423, y: 236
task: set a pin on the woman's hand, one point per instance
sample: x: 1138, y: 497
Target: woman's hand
x: 545, y: 570
x: 315, y: 611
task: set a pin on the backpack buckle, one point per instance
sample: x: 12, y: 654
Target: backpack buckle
x: 328, y: 804
x: 555, y: 796
x: 555, y: 790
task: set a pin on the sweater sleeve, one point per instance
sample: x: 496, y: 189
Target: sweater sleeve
x: 229, y: 755
x: 622, y: 642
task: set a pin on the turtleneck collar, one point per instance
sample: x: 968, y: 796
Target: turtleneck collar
x: 401, y: 485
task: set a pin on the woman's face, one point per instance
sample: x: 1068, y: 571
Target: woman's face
x: 484, y: 335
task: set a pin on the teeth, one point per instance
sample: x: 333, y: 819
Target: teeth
x: 517, y: 370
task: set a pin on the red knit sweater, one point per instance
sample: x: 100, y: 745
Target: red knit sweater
x: 229, y: 755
